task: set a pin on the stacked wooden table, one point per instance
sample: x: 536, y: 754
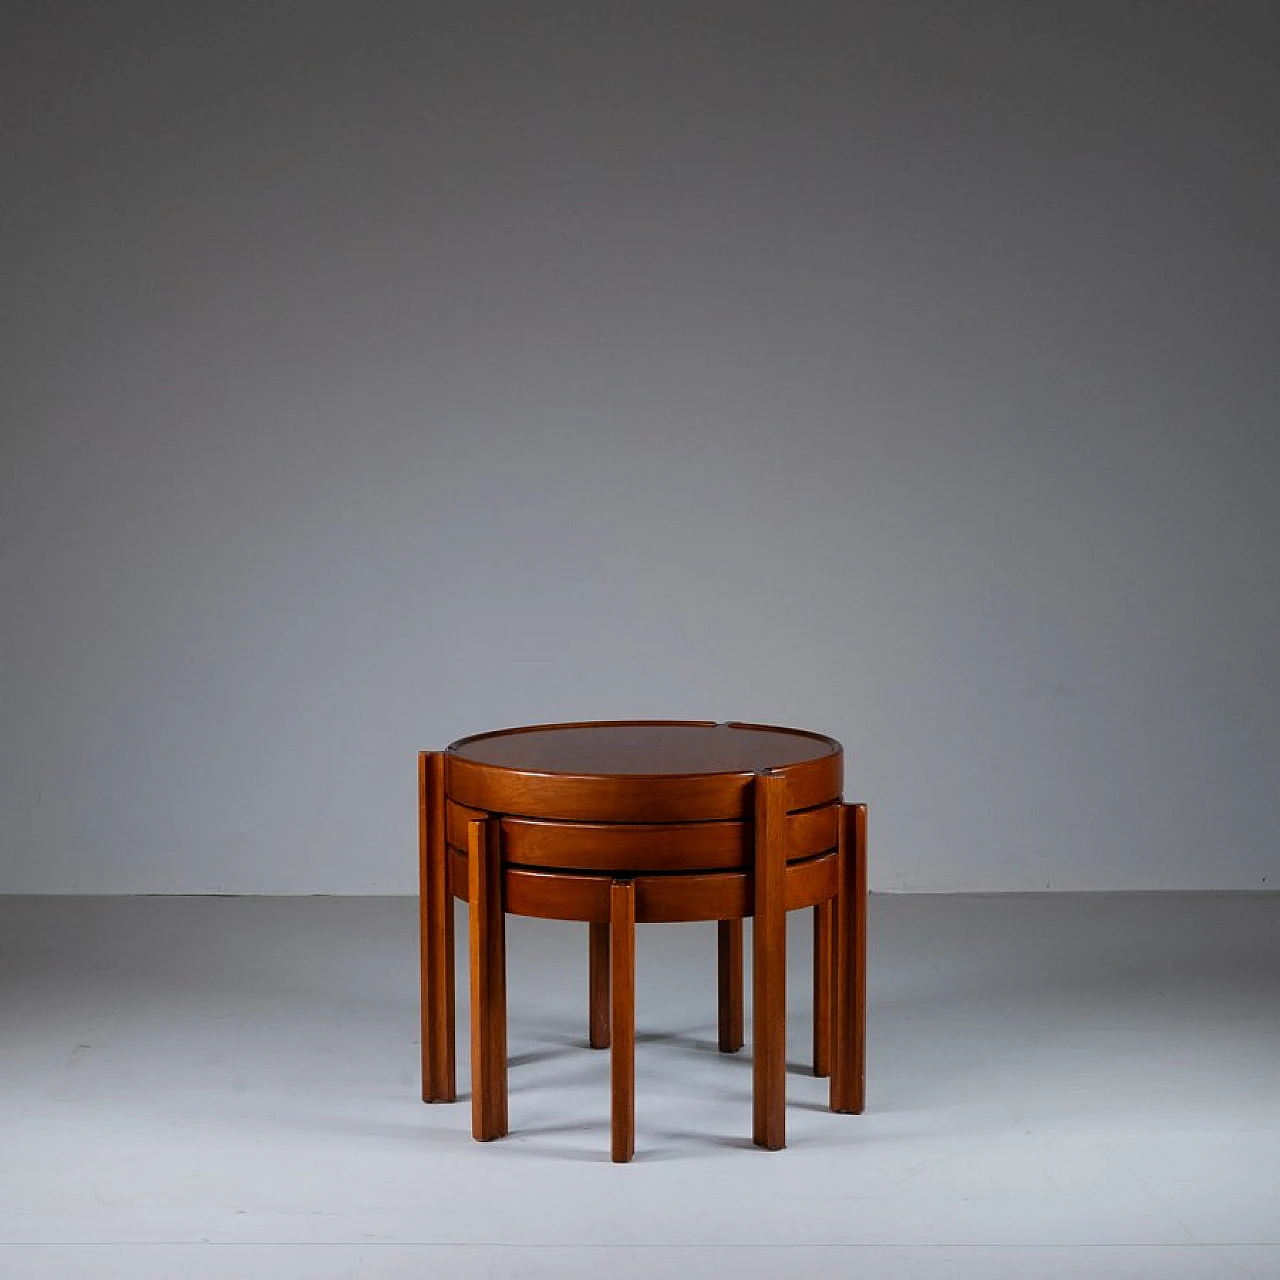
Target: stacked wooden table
x: 622, y: 822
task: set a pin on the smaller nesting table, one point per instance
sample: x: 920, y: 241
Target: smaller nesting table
x: 616, y: 823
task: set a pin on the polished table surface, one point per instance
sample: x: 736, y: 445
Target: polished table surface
x: 644, y: 748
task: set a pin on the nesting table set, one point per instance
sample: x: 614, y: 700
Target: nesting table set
x: 616, y: 823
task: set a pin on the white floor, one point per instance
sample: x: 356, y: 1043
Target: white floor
x: 1059, y: 1086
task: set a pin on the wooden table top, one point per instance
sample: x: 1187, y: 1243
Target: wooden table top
x: 644, y: 748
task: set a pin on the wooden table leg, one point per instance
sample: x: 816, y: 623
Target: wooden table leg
x: 598, y: 985
x: 729, y: 961
x: 622, y: 938
x: 488, y: 981
x: 822, y: 1006
x: 848, y: 1077
x: 435, y: 935
x: 769, y: 962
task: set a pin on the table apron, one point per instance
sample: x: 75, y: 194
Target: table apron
x: 631, y: 798
x: 637, y: 848
x: 727, y: 895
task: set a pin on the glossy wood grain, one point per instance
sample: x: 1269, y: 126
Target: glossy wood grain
x: 488, y: 983
x: 823, y: 1009
x: 703, y: 798
x: 622, y: 963
x: 667, y: 771
x: 644, y: 748
x: 598, y: 986
x: 660, y: 899
x: 457, y: 818
x: 812, y: 830
x: 848, y: 1076
x: 435, y: 918
x: 426, y: 927
x: 769, y: 962
x: 626, y: 846
x: 631, y: 848
x: 729, y: 985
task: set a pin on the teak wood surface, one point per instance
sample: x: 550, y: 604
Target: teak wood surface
x: 622, y: 822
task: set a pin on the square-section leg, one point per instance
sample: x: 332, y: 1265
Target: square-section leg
x: 598, y: 986
x: 622, y: 947
x: 769, y: 962
x: 435, y: 935
x: 729, y: 984
x: 823, y: 959
x: 488, y: 981
x: 849, y: 1068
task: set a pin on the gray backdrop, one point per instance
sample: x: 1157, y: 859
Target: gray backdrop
x: 379, y: 373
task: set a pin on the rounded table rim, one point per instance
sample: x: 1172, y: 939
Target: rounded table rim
x: 834, y: 748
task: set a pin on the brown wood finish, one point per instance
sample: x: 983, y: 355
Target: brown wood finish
x: 769, y: 962
x: 848, y: 1076
x: 457, y: 817
x: 638, y: 771
x: 675, y: 798
x: 627, y: 846
x: 822, y: 976
x: 808, y: 883
x: 634, y: 822
x: 640, y: 847
x: 660, y: 899
x: 488, y: 983
x: 439, y: 1056
x: 622, y: 958
x: 644, y: 748
x: 598, y: 986
x: 729, y: 984
x: 813, y: 831
x: 426, y: 932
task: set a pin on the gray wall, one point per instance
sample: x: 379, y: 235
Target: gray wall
x: 378, y: 373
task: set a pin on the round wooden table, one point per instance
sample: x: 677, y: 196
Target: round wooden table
x: 616, y: 823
